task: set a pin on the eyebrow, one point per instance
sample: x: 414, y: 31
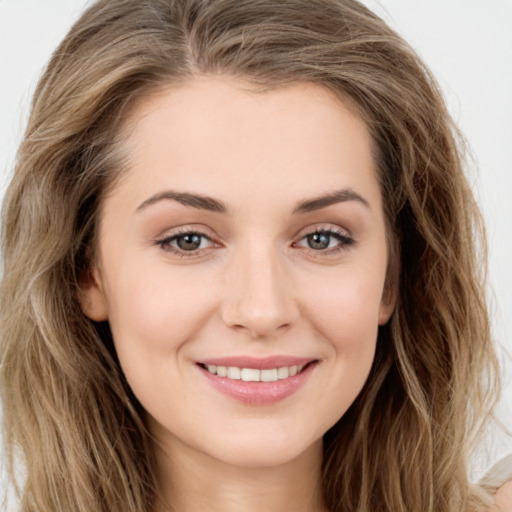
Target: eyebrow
x: 186, y: 199
x: 338, y: 196
x: 214, y: 205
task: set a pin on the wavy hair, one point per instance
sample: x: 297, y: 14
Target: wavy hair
x: 69, y: 415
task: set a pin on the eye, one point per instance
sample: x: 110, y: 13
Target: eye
x: 186, y: 242
x: 326, y: 240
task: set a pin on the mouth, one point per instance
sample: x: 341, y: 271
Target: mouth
x: 255, y: 374
x: 258, y: 381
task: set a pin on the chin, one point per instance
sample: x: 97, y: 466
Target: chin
x: 254, y: 451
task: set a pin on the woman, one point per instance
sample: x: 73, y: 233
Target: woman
x: 255, y: 282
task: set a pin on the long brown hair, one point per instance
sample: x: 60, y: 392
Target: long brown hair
x: 68, y: 412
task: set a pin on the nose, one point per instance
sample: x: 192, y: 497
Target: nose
x: 259, y: 295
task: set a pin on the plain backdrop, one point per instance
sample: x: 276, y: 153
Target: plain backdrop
x: 467, y: 44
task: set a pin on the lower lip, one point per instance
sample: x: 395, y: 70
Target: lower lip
x: 259, y: 393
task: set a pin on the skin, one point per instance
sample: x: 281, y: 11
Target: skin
x: 254, y: 287
x: 503, y: 499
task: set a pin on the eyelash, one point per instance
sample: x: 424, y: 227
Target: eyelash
x: 165, y: 243
x: 345, y: 242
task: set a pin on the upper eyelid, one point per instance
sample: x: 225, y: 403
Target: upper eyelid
x: 207, y: 233
x: 323, y: 227
x: 179, y: 231
x: 174, y: 236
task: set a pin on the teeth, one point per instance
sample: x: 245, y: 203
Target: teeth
x: 269, y: 375
x: 254, y: 375
x: 283, y: 373
x: 250, y: 374
x: 234, y: 373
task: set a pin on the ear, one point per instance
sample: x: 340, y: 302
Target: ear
x: 387, y: 304
x: 92, y: 297
x: 389, y: 293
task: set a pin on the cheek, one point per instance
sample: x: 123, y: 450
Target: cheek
x: 153, y: 314
x: 346, y: 311
x: 345, y: 317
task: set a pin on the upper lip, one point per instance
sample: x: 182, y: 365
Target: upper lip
x: 258, y: 363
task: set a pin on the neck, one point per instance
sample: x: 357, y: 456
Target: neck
x: 192, y: 482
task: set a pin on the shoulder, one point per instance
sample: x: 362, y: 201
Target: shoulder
x: 498, y: 484
x: 503, y: 498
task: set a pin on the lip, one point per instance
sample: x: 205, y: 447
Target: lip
x: 258, y: 393
x: 258, y: 363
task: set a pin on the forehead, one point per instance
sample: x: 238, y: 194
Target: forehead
x: 216, y: 135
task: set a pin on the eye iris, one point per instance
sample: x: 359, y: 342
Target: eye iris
x: 318, y: 240
x: 189, y: 242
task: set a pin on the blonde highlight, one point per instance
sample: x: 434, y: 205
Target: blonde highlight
x: 404, y: 444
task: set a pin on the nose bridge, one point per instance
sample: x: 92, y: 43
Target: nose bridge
x: 259, y: 292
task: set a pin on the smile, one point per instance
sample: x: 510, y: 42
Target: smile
x: 258, y: 381
x: 254, y: 374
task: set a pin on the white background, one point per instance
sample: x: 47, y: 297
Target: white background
x: 468, y: 45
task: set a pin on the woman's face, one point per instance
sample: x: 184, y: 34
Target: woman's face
x: 246, y: 238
